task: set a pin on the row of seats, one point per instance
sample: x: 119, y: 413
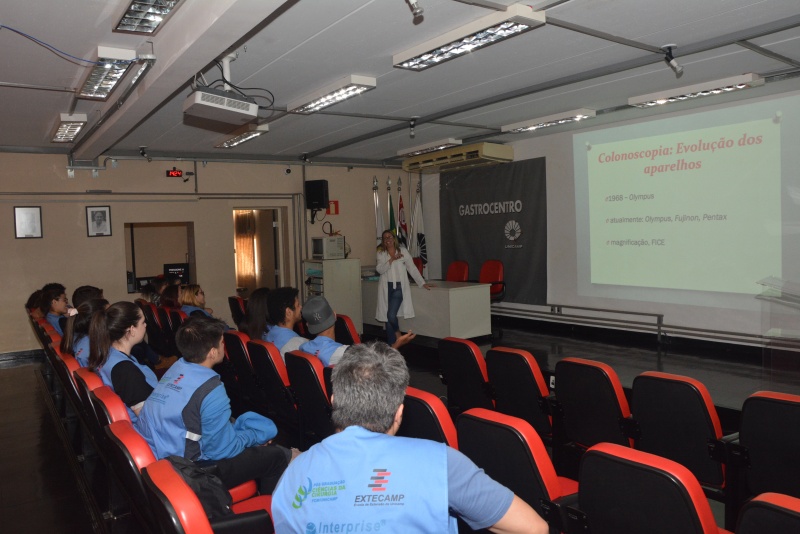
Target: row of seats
x: 294, y: 394
x: 670, y: 416
x: 118, y: 466
x: 619, y: 489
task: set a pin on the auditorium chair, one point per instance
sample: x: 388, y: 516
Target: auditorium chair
x: 345, y: 331
x: 177, y: 317
x: 520, y: 388
x: 589, y: 408
x: 86, y: 382
x: 307, y: 380
x: 673, y: 416
x: 425, y: 416
x: 156, y: 335
x: 513, y: 454
x: 177, y: 510
x: 271, y: 373
x: 625, y: 490
x: 457, y: 271
x: 764, y: 459
x: 129, y: 454
x: 770, y: 513
x: 464, y: 373
x: 252, y: 395
x: 238, y: 308
x: 108, y: 407
x: 169, y: 330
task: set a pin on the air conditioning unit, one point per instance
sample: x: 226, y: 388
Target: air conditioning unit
x: 458, y: 158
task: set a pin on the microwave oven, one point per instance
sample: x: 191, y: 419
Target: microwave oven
x: 327, y: 248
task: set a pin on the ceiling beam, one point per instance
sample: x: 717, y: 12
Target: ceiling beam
x: 202, y: 31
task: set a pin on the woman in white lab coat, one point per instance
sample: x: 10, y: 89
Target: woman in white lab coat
x: 394, y: 293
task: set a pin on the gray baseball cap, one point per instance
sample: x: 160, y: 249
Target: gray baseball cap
x: 318, y: 315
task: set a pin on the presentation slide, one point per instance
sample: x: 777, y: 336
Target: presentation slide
x: 694, y: 209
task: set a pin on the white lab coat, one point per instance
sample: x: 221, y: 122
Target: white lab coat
x: 406, y: 308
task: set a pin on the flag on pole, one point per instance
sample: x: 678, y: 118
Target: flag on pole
x: 380, y: 226
x: 418, y: 232
x: 392, y: 225
x: 402, y: 229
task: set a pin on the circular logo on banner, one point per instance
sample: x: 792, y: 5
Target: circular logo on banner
x: 512, y: 230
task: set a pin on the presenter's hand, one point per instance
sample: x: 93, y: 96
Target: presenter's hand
x: 404, y: 339
x: 428, y: 286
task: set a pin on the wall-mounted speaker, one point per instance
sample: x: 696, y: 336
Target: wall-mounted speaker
x: 316, y: 192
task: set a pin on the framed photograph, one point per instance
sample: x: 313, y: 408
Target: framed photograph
x: 98, y: 221
x: 28, y: 222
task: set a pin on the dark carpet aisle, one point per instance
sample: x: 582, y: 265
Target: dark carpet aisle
x: 38, y: 492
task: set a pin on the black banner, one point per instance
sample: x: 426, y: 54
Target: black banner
x: 498, y: 213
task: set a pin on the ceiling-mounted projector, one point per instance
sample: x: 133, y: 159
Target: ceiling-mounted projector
x: 221, y: 106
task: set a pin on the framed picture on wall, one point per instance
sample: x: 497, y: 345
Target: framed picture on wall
x: 98, y: 221
x: 27, y: 222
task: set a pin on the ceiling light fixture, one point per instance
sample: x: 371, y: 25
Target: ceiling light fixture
x: 145, y: 16
x: 338, y: 91
x: 441, y: 144
x: 112, y: 64
x: 575, y: 115
x: 715, y: 87
x: 416, y: 9
x: 493, y: 28
x: 244, y: 134
x: 669, y: 59
x: 69, y: 127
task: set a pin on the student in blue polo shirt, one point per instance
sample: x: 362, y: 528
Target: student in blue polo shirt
x: 365, y: 478
x: 321, y: 321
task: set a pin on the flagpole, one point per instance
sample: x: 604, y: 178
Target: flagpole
x: 379, y: 224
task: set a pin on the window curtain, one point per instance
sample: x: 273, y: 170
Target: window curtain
x: 244, y: 231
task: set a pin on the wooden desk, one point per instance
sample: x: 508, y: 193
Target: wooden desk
x: 457, y: 309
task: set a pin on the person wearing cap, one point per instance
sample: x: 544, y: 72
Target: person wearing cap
x: 365, y: 478
x: 321, y: 322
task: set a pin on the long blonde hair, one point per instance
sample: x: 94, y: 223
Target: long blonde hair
x: 381, y: 248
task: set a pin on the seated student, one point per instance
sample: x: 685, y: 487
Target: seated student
x: 193, y: 302
x: 322, y: 321
x: 428, y: 481
x: 76, y: 332
x: 285, y: 310
x: 86, y: 293
x: 171, y: 297
x: 32, y: 304
x: 54, y: 304
x: 255, y: 319
x: 112, y: 334
x: 189, y: 414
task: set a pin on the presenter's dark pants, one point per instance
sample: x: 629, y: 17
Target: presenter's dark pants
x: 395, y: 300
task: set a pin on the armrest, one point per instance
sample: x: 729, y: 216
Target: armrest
x: 727, y: 450
x: 554, y: 512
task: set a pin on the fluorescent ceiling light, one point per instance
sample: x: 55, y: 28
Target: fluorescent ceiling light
x: 112, y: 64
x: 145, y: 16
x: 340, y: 90
x: 69, y: 127
x: 716, y: 87
x: 493, y: 28
x: 441, y: 144
x: 244, y: 134
x: 575, y: 115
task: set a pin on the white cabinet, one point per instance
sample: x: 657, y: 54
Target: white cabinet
x: 339, y: 281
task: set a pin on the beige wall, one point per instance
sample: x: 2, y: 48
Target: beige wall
x: 142, y: 193
x: 158, y: 243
